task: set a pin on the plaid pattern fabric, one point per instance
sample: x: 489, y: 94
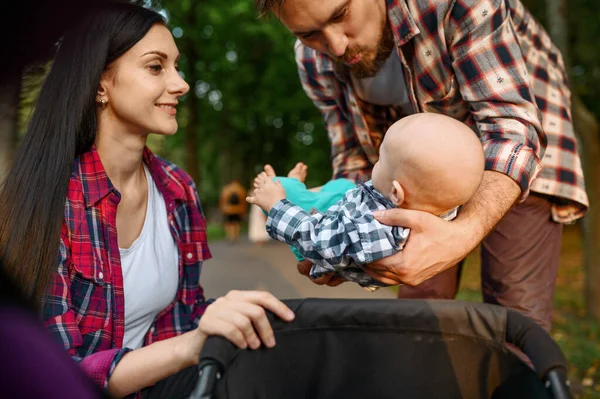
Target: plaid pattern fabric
x: 84, y: 308
x: 341, y: 239
x: 487, y: 63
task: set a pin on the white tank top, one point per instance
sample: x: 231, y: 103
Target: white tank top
x: 150, y: 270
x: 387, y: 87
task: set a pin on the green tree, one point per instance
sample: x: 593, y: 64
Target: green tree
x: 246, y: 106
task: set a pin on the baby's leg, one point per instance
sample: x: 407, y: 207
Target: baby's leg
x: 299, y: 172
x: 270, y: 171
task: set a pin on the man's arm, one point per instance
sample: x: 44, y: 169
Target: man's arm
x: 492, y: 76
x: 427, y: 254
x: 491, y: 71
x: 496, y: 195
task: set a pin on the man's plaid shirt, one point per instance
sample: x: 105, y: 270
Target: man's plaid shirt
x: 487, y: 63
x: 84, y: 308
x: 341, y: 239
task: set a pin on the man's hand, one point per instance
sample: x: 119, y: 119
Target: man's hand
x: 435, y: 245
x: 266, y: 192
x: 330, y: 279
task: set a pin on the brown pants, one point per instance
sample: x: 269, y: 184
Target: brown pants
x: 519, y: 262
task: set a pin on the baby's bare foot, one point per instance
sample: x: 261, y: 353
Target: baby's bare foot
x: 299, y: 172
x: 260, y: 179
x: 270, y: 171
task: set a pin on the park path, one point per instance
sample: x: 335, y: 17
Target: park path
x: 271, y: 267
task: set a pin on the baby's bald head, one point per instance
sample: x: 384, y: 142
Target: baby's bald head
x: 437, y: 160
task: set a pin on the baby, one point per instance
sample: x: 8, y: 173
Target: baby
x: 427, y: 162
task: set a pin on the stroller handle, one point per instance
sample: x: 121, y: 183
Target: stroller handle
x: 545, y: 355
x: 209, y: 372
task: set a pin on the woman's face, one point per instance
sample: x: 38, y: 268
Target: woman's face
x: 142, y: 87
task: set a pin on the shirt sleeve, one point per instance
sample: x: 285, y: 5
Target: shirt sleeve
x: 332, y: 240
x: 60, y: 321
x: 349, y: 161
x: 200, y: 303
x: 492, y: 77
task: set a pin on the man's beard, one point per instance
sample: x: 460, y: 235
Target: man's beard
x: 368, y: 67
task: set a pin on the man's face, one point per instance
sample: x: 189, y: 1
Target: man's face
x: 353, y: 32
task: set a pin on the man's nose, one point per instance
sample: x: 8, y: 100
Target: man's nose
x: 336, y: 40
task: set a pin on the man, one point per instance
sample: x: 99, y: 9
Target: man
x: 488, y: 63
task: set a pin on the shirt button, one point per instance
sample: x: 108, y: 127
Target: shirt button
x: 189, y: 255
x: 100, y: 276
x: 152, y: 330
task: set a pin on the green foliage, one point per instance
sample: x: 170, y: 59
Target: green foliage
x: 584, y: 30
x: 30, y: 89
x: 250, y: 104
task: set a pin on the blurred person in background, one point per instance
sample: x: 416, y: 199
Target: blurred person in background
x: 232, y: 204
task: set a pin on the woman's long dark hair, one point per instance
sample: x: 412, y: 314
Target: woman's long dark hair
x: 63, y: 125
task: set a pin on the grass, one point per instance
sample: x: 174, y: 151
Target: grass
x: 578, y: 337
x: 215, y: 232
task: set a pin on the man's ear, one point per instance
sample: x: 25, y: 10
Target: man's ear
x: 397, y: 195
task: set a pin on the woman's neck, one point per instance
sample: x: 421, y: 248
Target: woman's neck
x: 122, y: 157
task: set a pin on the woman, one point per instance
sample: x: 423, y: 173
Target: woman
x: 125, y: 299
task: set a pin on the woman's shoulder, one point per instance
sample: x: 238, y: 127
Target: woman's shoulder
x: 175, y: 172
x: 180, y: 184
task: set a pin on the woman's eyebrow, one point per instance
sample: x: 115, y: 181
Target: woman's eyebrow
x: 159, y: 53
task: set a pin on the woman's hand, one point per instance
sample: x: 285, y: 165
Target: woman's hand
x: 240, y: 317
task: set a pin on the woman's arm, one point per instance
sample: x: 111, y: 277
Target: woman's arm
x: 148, y: 365
x: 239, y: 317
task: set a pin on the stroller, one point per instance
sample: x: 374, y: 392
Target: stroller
x: 416, y: 349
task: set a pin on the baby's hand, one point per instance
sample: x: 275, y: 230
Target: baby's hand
x: 266, y: 192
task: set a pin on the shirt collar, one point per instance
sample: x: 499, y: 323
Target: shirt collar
x: 450, y: 215
x: 368, y: 187
x: 376, y: 195
x: 401, y: 21
x: 161, y: 173
x: 96, y: 185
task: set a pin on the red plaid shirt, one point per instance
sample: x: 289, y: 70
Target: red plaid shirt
x: 487, y: 63
x: 84, y: 308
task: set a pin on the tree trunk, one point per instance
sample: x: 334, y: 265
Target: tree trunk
x: 9, y: 106
x: 587, y: 129
x: 557, y: 26
x: 192, y: 162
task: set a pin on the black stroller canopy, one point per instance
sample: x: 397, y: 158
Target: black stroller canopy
x: 389, y: 349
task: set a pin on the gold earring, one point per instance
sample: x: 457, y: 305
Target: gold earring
x: 103, y: 103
